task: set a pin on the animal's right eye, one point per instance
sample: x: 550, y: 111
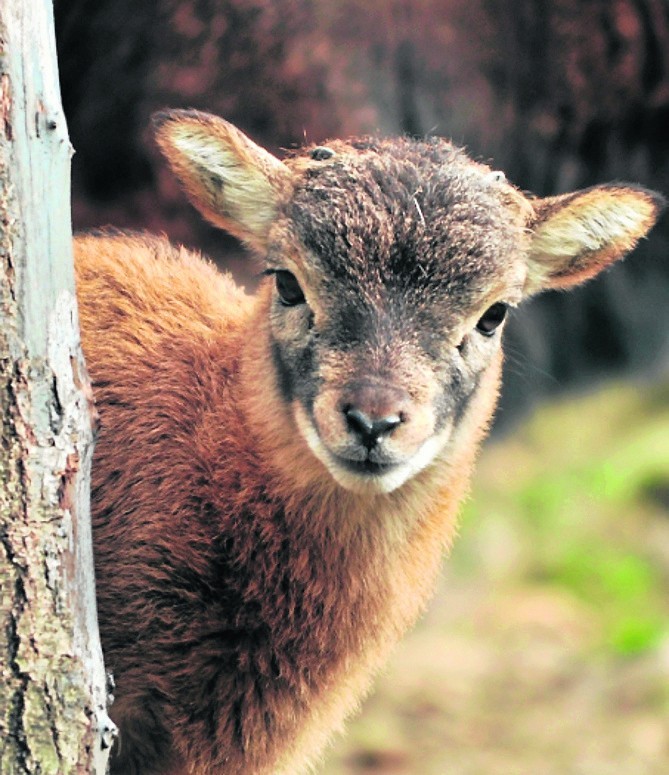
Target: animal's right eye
x: 290, y: 293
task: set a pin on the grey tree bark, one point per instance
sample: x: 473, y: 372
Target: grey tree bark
x: 53, y: 694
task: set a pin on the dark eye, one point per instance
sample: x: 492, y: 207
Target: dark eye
x: 290, y: 293
x: 492, y: 319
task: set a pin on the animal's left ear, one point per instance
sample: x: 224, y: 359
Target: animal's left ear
x: 575, y: 236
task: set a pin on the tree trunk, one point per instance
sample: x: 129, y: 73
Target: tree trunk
x: 52, y: 683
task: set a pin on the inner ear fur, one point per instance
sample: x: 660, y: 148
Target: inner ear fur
x: 233, y: 182
x: 575, y: 236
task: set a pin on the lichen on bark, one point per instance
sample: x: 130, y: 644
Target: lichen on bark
x: 53, y: 717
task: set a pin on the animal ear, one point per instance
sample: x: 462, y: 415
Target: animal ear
x: 575, y: 236
x: 232, y: 181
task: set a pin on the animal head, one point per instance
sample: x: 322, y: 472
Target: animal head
x: 393, y: 263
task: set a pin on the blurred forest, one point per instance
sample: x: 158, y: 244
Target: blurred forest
x: 547, y: 650
x: 559, y: 93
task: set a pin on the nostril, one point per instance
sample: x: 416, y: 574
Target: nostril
x: 369, y: 429
x: 386, y: 424
x: 358, y: 421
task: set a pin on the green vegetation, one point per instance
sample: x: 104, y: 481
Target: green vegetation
x: 581, y: 486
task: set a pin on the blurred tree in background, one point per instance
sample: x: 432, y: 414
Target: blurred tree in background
x: 558, y: 93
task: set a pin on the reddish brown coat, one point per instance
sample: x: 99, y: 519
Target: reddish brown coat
x: 244, y: 588
x: 249, y: 584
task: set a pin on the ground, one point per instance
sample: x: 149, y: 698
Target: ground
x: 546, y: 649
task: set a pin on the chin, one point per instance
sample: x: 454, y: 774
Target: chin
x: 368, y: 484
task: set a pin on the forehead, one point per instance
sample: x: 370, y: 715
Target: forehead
x: 408, y: 216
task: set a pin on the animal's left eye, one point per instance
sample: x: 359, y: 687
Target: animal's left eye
x: 290, y: 293
x: 492, y: 318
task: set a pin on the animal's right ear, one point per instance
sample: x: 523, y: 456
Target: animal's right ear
x: 232, y: 181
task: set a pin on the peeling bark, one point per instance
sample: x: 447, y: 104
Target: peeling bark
x: 53, y: 718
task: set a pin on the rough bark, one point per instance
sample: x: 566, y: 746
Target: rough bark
x: 52, y: 682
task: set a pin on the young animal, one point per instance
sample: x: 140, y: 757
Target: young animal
x: 277, y: 476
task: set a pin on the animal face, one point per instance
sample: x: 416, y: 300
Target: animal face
x: 392, y: 264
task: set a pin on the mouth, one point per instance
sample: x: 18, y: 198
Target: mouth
x: 365, y: 467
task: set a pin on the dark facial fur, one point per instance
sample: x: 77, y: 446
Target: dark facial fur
x: 395, y: 243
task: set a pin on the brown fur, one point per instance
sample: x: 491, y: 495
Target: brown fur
x: 248, y: 588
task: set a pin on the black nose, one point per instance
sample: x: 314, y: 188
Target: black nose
x: 370, y: 429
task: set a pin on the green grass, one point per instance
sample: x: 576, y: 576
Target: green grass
x: 577, y: 488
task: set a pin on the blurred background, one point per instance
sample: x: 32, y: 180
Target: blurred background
x: 547, y: 649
